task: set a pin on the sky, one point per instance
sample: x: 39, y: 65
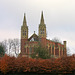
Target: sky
x: 59, y: 17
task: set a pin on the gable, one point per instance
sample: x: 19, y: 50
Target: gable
x: 34, y: 37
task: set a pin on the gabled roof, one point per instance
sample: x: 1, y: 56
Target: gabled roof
x: 34, y: 36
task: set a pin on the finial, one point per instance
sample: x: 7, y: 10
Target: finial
x: 34, y: 32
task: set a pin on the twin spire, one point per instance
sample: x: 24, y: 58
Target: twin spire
x: 24, y: 20
x: 41, y: 22
x: 42, y: 19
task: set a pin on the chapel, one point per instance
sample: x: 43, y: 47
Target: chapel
x: 55, y: 49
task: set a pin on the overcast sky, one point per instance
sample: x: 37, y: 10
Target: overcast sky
x: 59, y: 16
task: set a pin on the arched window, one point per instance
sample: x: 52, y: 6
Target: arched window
x: 30, y: 50
x: 24, y: 50
x: 25, y: 32
x: 41, y: 31
x: 49, y: 50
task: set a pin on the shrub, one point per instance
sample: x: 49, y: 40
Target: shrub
x: 22, y: 64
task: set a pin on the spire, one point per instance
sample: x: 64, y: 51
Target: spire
x: 42, y: 18
x: 24, y: 20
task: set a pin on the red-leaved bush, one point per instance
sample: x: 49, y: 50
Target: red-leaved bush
x: 22, y: 64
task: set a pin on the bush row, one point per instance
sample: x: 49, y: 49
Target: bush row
x: 22, y: 64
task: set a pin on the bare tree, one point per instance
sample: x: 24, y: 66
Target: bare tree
x: 68, y: 51
x: 55, y: 39
x: 16, y: 46
x: 10, y: 44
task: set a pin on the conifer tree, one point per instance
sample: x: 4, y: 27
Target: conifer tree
x: 2, y: 52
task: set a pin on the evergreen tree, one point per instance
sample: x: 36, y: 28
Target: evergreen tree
x: 40, y: 52
x: 2, y: 52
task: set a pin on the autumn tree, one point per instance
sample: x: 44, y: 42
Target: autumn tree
x: 14, y: 65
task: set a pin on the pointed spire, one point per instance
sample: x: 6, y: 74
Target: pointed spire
x: 42, y: 18
x: 24, y: 20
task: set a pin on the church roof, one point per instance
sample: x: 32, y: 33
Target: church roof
x: 34, y: 36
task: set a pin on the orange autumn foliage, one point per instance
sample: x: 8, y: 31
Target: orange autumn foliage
x: 22, y: 64
x: 3, y: 64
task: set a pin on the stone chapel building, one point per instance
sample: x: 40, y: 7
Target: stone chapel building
x: 27, y: 44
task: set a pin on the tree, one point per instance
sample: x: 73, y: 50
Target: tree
x: 16, y: 46
x: 2, y: 52
x: 10, y: 43
x: 55, y: 39
x: 68, y: 52
x: 40, y: 52
x: 11, y: 46
x: 4, y: 44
